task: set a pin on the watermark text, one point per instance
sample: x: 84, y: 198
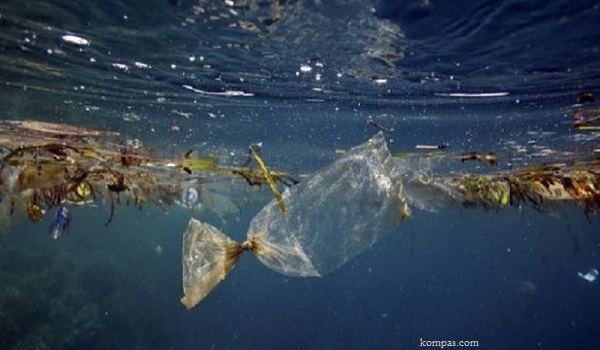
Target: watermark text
x: 448, y: 343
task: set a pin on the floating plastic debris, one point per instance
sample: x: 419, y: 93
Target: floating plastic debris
x: 61, y: 222
x: 121, y: 66
x: 50, y: 165
x: 341, y: 211
x: 270, y: 180
x: 589, y: 276
x: 141, y: 65
x: 231, y: 93
x: 475, y: 94
x: 432, y: 147
x: 305, y: 68
x: 333, y: 215
x: 190, y: 197
x: 75, y: 40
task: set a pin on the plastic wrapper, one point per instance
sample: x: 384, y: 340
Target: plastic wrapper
x: 337, y: 214
x: 208, y: 256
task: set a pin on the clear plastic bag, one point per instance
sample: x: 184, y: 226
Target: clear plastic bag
x: 341, y: 211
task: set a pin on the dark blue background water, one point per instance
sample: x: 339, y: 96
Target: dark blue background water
x: 506, y: 279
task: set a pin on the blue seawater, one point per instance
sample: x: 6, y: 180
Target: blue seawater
x: 304, y: 77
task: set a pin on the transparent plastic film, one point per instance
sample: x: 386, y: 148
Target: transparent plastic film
x: 337, y: 214
x: 208, y: 256
x: 423, y: 190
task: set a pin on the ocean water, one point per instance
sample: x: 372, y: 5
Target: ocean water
x: 304, y: 78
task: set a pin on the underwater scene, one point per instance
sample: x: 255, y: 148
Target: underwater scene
x: 299, y: 174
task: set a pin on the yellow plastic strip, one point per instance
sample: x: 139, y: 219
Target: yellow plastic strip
x: 589, y: 128
x: 207, y: 164
x: 270, y: 181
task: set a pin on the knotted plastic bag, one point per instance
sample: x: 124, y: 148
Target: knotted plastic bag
x: 341, y: 211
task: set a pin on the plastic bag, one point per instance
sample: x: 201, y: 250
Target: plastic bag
x: 208, y: 256
x: 341, y: 211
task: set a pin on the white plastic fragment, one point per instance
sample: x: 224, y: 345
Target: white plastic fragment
x: 476, y: 94
x: 141, y: 65
x: 229, y: 93
x: 589, y: 276
x: 305, y: 68
x: 121, y: 66
x: 75, y: 40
